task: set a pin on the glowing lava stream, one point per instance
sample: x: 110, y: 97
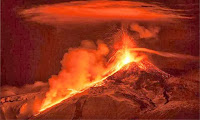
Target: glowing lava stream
x: 124, y: 59
x: 72, y: 93
x: 123, y: 56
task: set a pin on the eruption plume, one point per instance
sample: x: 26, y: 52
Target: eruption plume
x: 92, y: 63
x: 80, y: 67
x: 86, y: 66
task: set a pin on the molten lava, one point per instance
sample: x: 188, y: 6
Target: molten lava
x: 125, y: 59
x: 123, y: 56
x: 83, y: 68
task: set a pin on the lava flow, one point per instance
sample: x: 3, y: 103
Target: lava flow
x: 84, y: 68
x: 58, y: 92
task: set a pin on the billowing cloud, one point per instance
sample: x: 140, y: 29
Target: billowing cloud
x: 95, y: 11
x: 38, y: 86
x: 150, y: 32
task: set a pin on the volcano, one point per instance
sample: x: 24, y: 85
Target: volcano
x: 129, y: 87
x: 98, y: 59
x: 132, y: 93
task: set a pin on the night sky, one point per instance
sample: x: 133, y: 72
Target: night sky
x: 32, y: 51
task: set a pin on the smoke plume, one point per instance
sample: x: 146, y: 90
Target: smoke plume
x: 80, y: 66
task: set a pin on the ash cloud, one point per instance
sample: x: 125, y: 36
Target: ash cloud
x: 98, y: 11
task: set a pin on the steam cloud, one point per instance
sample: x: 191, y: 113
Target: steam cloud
x: 80, y: 66
x: 95, y: 11
x: 28, y: 88
x: 31, y: 105
x: 150, y: 32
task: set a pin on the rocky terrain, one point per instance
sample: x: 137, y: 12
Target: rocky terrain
x: 129, y: 94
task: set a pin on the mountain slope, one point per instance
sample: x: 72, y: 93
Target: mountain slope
x: 133, y: 93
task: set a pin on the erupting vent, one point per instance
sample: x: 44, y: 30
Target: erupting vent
x: 124, y: 55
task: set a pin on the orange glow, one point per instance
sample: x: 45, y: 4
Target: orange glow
x: 79, y: 73
x: 127, y: 58
x: 83, y: 68
x: 58, y: 93
x: 49, y: 104
x: 87, y: 66
x: 94, y: 11
x: 23, y: 108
